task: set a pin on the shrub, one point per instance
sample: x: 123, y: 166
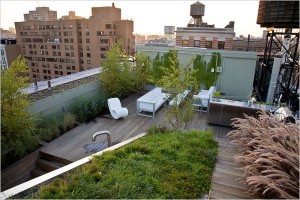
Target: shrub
x: 86, y: 108
x: 269, y: 155
x: 69, y: 121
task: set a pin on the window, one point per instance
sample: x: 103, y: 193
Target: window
x: 221, y: 45
x: 67, y: 54
x: 104, y: 41
x: 88, y: 47
x: 70, y: 26
x: 67, y: 47
x: 208, y: 44
x: 102, y: 56
x: 87, y: 40
x: 66, y: 33
x: 87, y: 33
x: 88, y: 61
x: 69, y: 73
x: 197, y: 43
x: 108, y: 26
x: 99, y: 33
x: 88, y: 55
x: 103, y: 48
x: 70, y: 33
x: 185, y: 43
x: 71, y: 40
x: 73, y: 67
x: 66, y: 40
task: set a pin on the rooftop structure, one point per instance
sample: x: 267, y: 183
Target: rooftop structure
x: 41, y: 14
x: 200, y: 34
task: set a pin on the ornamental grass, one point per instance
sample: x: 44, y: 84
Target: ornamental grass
x: 269, y: 155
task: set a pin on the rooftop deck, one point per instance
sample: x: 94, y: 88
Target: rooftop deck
x: 74, y: 144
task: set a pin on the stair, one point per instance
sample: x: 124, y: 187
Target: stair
x: 47, y: 163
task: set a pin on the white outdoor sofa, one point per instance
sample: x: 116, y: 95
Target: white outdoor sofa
x: 151, y: 102
x: 179, y: 97
x: 204, y: 96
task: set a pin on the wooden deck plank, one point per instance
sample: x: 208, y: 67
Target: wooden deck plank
x: 70, y: 145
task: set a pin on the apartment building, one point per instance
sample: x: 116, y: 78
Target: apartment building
x: 203, y: 35
x: 65, y: 46
x: 41, y: 14
x: 10, y: 50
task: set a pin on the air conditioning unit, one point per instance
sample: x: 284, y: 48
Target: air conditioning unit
x: 219, y: 69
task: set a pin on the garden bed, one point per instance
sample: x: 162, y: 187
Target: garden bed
x: 163, y: 164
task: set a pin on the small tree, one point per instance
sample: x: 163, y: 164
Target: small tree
x: 142, y: 70
x: 203, y: 74
x: 175, y: 80
x: 116, y: 77
x: 17, y: 123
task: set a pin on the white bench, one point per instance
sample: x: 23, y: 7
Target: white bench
x: 179, y: 97
x: 151, y: 102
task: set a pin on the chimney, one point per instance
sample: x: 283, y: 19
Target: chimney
x: 113, y: 5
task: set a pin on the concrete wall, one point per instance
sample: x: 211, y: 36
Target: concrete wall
x: 238, y: 67
x: 62, y: 101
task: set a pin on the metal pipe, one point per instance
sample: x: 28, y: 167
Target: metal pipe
x: 102, y: 133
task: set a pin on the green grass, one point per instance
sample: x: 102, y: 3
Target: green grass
x: 169, y: 165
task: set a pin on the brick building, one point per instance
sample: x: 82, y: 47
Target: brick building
x: 202, y: 35
x: 60, y: 47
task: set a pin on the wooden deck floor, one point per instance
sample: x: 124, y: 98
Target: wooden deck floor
x: 227, y: 177
x: 70, y: 146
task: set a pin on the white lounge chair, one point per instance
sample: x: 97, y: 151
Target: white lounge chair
x: 205, y: 95
x: 115, y: 108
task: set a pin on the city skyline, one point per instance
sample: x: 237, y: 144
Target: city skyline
x: 149, y: 17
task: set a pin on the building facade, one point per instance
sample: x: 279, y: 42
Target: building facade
x: 202, y: 35
x: 61, y: 47
x: 10, y: 50
x: 41, y: 14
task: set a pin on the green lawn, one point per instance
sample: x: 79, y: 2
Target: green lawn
x: 168, y: 165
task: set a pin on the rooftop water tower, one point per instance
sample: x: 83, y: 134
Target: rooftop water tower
x: 197, y: 12
x: 278, y: 73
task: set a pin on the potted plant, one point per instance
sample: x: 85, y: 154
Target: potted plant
x: 216, y: 95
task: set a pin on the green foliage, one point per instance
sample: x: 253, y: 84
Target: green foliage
x: 116, y: 77
x: 69, y: 121
x: 142, y: 70
x: 203, y: 73
x: 157, y: 70
x: 216, y: 94
x: 175, y: 80
x: 173, y: 165
x: 86, y: 108
x: 17, y: 123
x: 52, y: 127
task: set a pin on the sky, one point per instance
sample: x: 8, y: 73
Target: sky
x: 149, y: 17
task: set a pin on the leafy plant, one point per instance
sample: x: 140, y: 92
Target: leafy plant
x: 142, y: 70
x: 116, y: 78
x: 69, y: 121
x: 269, y: 154
x: 176, y: 80
x: 17, y: 123
x: 203, y: 73
x: 86, y: 108
x: 216, y: 94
